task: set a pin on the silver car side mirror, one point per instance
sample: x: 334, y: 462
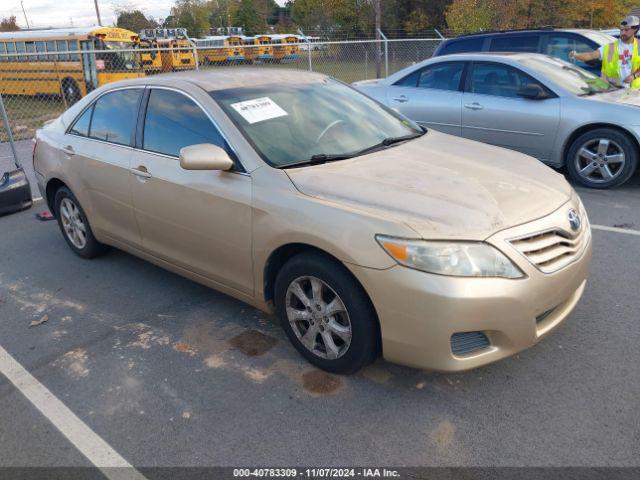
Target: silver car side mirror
x: 204, y: 156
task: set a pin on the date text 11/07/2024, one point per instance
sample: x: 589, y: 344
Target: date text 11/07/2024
x: 316, y: 472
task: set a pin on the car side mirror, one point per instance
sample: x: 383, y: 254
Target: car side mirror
x: 204, y: 156
x: 533, y: 91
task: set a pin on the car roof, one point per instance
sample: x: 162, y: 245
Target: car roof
x: 233, y: 77
x: 518, y: 31
x: 488, y: 56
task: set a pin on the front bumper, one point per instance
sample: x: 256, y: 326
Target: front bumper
x: 420, y: 312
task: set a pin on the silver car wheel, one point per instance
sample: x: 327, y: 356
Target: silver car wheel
x: 318, y: 317
x: 74, y: 227
x: 600, y: 160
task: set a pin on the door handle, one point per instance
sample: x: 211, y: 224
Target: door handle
x: 473, y: 106
x: 68, y: 150
x: 141, y: 171
x: 401, y: 99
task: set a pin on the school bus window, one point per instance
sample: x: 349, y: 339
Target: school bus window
x: 51, y: 47
x: 61, y: 46
x: 31, y: 48
x: 73, y: 47
x: 20, y: 49
x: 3, y: 51
x: 41, y: 49
x: 11, y: 49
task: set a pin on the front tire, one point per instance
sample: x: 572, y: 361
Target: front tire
x: 602, y: 158
x: 74, y: 225
x: 326, y: 313
x: 71, y: 92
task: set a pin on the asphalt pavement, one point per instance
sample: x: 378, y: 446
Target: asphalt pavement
x: 170, y: 373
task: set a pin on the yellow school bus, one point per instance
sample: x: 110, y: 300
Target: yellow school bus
x: 258, y: 48
x: 150, y: 56
x: 166, y: 49
x: 220, y: 49
x: 285, y: 47
x: 68, y: 62
x: 236, y: 52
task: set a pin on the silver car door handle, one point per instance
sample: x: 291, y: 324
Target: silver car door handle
x: 140, y: 171
x: 473, y: 106
x: 68, y: 150
x: 401, y: 99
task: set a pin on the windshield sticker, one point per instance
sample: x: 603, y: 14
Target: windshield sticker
x: 259, y: 109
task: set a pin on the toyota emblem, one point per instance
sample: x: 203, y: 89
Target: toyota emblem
x: 574, y: 220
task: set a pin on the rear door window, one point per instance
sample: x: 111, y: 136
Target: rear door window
x: 515, y: 43
x: 115, y: 115
x: 473, y: 44
x: 559, y: 45
x: 81, y: 125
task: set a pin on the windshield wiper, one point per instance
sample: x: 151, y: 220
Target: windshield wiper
x: 321, y: 158
x: 391, y: 140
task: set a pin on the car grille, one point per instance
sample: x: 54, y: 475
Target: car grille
x: 468, y: 342
x: 554, y: 249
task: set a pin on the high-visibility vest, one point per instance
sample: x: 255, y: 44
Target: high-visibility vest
x: 611, y: 63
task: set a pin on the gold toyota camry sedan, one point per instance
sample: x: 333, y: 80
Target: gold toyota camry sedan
x: 366, y: 234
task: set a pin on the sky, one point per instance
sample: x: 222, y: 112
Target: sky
x: 62, y: 13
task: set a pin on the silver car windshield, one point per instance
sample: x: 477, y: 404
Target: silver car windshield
x: 571, y: 77
x: 314, y: 122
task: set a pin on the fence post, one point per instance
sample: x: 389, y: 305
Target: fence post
x: 308, y: 42
x: 386, y: 53
x: 195, y: 53
x: 5, y: 120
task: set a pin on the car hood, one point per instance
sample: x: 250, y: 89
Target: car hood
x: 623, y: 95
x: 441, y: 186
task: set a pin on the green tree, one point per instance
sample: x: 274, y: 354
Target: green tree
x: 9, y: 24
x: 417, y: 21
x: 134, y: 20
x: 310, y: 14
x: 251, y: 16
x: 468, y: 16
x: 192, y: 15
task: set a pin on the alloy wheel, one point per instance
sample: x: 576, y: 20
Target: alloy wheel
x: 72, y: 223
x: 318, y: 317
x: 600, y: 160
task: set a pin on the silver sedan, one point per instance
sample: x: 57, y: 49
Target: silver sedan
x: 536, y: 104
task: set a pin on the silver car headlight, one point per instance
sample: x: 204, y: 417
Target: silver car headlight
x: 459, y: 259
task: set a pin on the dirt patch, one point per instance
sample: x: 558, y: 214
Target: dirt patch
x: 74, y: 363
x: 253, y: 343
x: 321, y: 383
x: 377, y: 374
x: 442, y: 436
x: 183, y: 347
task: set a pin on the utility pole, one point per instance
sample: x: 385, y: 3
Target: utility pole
x: 378, y: 9
x: 25, y: 14
x: 97, y: 12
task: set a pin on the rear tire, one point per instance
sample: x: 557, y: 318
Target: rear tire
x: 71, y: 92
x: 74, y: 225
x: 602, y: 158
x: 326, y: 313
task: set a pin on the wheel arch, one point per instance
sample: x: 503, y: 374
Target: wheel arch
x: 284, y: 253
x: 594, y: 126
x: 53, y: 185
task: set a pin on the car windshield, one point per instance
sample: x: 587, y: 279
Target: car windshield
x: 312, y: 122
x: 569, y: 76
x: 121, y: 55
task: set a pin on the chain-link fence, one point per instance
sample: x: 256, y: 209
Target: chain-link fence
x: 40, y: 79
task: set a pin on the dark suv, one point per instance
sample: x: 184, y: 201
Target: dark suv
x: 551, y: 41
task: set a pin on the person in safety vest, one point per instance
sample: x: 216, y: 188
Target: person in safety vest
x: 620, y: 59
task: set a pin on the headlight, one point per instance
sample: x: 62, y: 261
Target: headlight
x: 460, y: 259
